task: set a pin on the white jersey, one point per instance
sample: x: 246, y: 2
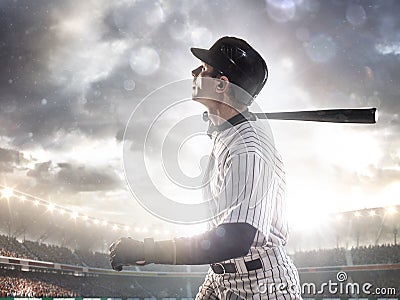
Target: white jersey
x: 245, y: 183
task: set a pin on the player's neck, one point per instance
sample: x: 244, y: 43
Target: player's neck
x: 221, y: 113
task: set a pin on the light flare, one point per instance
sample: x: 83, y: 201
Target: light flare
x: 7, y: 193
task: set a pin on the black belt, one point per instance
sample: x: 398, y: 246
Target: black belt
x: 219, y: 268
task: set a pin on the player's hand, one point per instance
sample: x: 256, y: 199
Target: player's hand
x: 125, y: 252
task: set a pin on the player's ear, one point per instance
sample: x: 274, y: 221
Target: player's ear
x: 223, y: 83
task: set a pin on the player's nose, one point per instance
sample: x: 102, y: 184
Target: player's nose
x: 196, y: 72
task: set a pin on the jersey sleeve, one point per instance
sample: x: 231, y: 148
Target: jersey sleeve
x: 249, y: 190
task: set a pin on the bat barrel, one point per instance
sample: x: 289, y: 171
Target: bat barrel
x: 351, y: 115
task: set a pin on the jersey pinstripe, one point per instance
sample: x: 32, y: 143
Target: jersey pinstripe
x: 245, y: 182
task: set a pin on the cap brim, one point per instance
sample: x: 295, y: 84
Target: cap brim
x: 202, y: 54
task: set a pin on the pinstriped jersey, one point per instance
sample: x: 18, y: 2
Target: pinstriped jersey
x: 245, y: 181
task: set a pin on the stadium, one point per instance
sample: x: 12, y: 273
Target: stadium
x: 100, y: 139
x: 50, y: 251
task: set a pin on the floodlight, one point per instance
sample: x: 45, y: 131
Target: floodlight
x: 391, y: 210
x: 7, y: 193
x: 51, y: 207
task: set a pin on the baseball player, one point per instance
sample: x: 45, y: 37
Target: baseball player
x: 244, y: 184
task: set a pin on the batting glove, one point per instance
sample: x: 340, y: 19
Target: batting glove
x: 125, y: 252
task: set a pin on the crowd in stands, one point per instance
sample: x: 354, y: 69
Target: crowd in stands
x: 42, y: 284
x: 55, y: 284
x: 9, y: 246
x: 320, y: 258
x: 24, y: 287
x: 382, y: 254
x: 52, y: 253
x: 362, y: 255
x: 5, y: 252
x: 93, y: 259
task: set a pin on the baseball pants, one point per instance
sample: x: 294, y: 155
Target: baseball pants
x: 279, y: 282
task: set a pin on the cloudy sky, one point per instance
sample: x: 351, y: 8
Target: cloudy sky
x: 72, y: 73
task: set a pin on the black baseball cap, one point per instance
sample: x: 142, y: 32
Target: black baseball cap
x: 237, y: 60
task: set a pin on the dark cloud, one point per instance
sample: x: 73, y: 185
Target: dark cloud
x: 40, y: 171
x: 355, y: 50
x: 10, y: 159
x: 70, y: 178
x: 81, y: 178
x: 30, y: 103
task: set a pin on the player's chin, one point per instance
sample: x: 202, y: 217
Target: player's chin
x: 199, y: 99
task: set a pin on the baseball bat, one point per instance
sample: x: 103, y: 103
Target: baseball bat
x: 345, y: 115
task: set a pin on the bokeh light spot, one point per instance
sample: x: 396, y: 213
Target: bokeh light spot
x: 129, y: 85
x: 281, y: 10
x: 201, y: 36
x: 356, y: 15
x: 145, y: 61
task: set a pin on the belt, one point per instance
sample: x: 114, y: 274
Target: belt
x: 220, y: 268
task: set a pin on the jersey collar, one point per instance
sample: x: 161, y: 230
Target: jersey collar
x: 236, y: 120
x: 242, y: 117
